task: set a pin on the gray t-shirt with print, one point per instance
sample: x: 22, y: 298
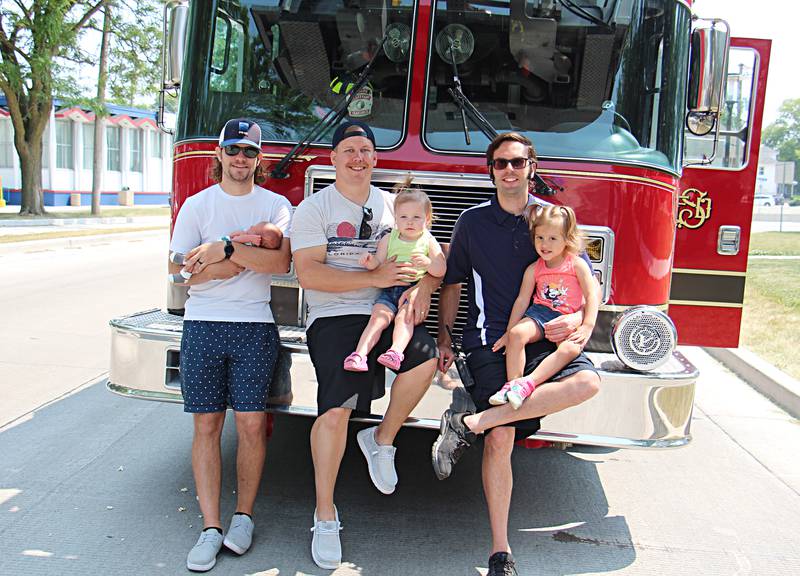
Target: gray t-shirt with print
x: 329, y: 219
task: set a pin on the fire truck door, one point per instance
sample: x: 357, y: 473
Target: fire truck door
x: 715, y: 206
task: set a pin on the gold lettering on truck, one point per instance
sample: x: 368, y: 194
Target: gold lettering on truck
x: 694, y: 208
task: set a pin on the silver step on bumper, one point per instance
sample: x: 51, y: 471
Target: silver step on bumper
x: 632, y: 410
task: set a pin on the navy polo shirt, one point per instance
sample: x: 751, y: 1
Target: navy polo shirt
x: 490, y: 251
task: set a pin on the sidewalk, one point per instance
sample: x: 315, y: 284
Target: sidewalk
x: 83, y: 223
x: 773, y: 383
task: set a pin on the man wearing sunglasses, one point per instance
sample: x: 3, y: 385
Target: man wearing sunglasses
x: 331, y: 230
x: 490, y: 250
x: 230, y: 343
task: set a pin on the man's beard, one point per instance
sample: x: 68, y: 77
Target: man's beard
x: 247, y: 174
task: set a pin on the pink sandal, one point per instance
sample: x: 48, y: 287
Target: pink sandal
x: 355, y: 363
x: 391, y: 359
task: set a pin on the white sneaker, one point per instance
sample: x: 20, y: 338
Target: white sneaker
x: 326, y: 548
x: 515, y: 396
x: 380, y: 460
x: 203, y: 555
x: 240, y: 534
x: 501, y: 396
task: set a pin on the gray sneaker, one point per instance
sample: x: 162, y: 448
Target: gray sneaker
x: 380, y: 460
x: 240, y: 534
x: 326, y: 548
x: 204, y: 554
x: 454, y: 438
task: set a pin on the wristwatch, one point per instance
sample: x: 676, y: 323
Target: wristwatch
x: 228, y: 248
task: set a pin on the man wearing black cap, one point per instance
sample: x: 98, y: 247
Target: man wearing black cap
x: 331, y: 230
x: 230, y: 342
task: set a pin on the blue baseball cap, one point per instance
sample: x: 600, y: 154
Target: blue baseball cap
x: 240, y: 131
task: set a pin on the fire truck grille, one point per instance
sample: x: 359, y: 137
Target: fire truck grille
x: 449, y: 201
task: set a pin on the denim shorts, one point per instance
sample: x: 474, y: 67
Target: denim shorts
x: 488, y: 370
x: 541, y: 314
x: 226, y: 363
x: 390, y: 296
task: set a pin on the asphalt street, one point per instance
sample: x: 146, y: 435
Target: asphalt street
x: 92, y: 483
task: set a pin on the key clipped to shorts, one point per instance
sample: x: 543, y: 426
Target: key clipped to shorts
x: 461, y: 363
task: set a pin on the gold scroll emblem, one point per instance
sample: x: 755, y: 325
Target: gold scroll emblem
x: 694, y: 208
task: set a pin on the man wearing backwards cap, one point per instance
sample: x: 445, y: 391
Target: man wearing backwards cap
x: 230, y: 342
x: 331, y: 230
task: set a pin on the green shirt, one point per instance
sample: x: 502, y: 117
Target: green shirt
x: 404, y: 249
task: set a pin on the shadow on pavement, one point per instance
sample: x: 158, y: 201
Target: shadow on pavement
x: 94, y: 485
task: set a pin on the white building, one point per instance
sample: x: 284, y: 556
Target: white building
x: 765, y: 179
x: 775, y: 178
x: 138, y: 158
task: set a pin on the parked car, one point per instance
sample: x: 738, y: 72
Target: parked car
x: 763, y: 199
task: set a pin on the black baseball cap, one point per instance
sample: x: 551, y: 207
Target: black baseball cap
x: 352, y: 128
x: 240, y: 131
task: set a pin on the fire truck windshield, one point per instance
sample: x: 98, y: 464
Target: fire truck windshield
x: 595, y: 79
x: 286, y: 63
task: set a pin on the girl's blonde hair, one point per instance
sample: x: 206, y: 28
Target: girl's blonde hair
x: 563, y: 216
x: 405, y: 193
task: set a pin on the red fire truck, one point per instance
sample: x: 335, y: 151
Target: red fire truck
x: 646, y: 120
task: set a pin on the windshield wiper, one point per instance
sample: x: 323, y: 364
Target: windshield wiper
x: 467, y: 108
x: 333, y: 116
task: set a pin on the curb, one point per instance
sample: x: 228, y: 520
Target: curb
x: 100, y: 237
x: 762, y: 376
x: 39, y: 222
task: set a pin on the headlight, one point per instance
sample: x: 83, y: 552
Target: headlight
x: 643, y: 338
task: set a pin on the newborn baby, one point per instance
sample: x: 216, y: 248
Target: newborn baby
x: 264, y: 234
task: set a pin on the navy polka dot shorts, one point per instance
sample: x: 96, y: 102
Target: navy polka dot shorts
x: 227, y: 363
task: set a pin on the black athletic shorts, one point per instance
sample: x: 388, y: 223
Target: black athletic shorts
x: 331, y: 340
x: 488, y: 370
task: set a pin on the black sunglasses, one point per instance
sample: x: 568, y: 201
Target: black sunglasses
x: 249, y: 151
x: 516, y: 163
x: 365, y: 230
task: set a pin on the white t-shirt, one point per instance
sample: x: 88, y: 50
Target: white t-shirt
x: 206, y: 217
x: 329, y: 219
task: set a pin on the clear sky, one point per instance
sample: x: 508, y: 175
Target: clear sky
x: 774, y: 19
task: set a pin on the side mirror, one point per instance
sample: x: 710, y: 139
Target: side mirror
x: 176, y: 16
x: 708, y: 70
x: 173, y: 40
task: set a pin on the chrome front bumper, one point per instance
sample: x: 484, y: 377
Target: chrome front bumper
x: 632, y: 410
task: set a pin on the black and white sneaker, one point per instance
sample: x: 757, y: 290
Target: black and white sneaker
x: 454, y: 438
x: 501, y: 564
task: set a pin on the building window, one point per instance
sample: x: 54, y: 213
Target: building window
x: 155, y: 144
x: 64, y: 157
x: 113, y: 145
x: 6, y: 144
x: 135, y: 151
x: 88, y: 145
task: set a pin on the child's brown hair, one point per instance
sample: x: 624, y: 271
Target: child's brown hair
x: 405, y: 193
x: 563, y: 216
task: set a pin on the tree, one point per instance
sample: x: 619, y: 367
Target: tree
x: 100, y: 112
x: 783, y: 135
x: 33, y: 36
x: 135, y: 51
x: 129, y: 62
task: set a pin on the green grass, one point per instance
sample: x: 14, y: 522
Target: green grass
x: 105, y: 212
x: 72, y: 233
x: 775, y: 244
x: 772, y: 301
